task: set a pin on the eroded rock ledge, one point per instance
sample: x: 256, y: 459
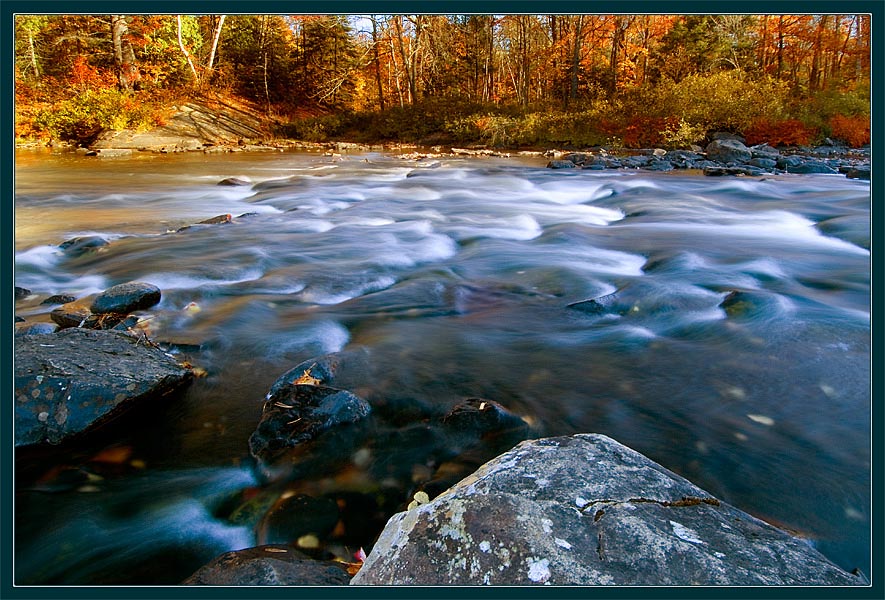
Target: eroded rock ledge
x: 586, y: 510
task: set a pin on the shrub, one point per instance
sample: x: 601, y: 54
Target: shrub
x: 722, y: 101
x: 87, y: 114
x: 854, y: 131
x: 789, y: 132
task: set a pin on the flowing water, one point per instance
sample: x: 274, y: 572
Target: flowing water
x: 455, y: 277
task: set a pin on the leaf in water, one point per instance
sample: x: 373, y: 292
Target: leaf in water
x: 307, y: 378
x: 761, y: 419
x: 115, y: 455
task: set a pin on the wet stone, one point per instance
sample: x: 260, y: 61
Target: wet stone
x: 21, y: 292
x: 297, y: 414
x: 59, y: 299
x: 80, y: 245
x: 70, y: 315
x: 81, y: 379
x: 235, y: 181
x: 126, y: 297
x: 273, y: 564
x: 560, y: 164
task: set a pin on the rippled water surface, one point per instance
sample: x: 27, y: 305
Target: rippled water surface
x: 455, y: 277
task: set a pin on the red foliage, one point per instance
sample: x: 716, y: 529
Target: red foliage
x: 84, y: 74
x: 790, y: 132
x: 640, y: 131
x: 855, y: 131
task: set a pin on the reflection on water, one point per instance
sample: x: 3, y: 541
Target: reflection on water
x: 456, y: 276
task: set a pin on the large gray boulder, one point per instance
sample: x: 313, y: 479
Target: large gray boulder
x: 728, y: 151
x: 586, y: 510
x: 72, y: 381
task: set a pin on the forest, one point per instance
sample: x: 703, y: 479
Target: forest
x: 498, y: 80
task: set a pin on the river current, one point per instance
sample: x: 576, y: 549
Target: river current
x: 455, y: 277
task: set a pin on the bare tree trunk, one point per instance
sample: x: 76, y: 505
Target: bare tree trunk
x: 375, y: 43
x: 184, y: 51
x: 215, y: 37
x: 576, y: 57
x: 124, y: 56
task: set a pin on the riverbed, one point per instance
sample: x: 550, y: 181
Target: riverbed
x: 456, y: 278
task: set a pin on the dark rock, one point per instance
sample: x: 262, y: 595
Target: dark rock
x: 75, y: 380
x: 741, y: 170
x: 764, y: 151
x: 126, y: 297
x: 785, y: 162
x: 728, y: 151
x: 636, y: 161
x: 579, y: 158
x: 18, y: 319
x: 80, y: 245
x: 861, y: 172
x: 247, y: 215
x: 742, y: 303
x: 298, y: 515
x: 763, y: 163
x: 296, y: 414
x: 560, y: 164
x: 586, y: 510
x: 269, y: 565
x: 21, y: 292
x: 234, y: 181
x: 659, y: 165
x: 595, y: 167
x: 327, y: 369
x: 36, y: 329
x: 70, y: 315
x: 811, y: 166
x: 59, y: 299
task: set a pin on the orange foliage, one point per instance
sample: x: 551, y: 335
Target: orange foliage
x: 640, y: 131
x: 790, y: 132
x: 84, y: 74
x: 855, y: 131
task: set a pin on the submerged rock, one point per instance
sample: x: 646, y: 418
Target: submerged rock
x: 80, y: 245
x: 72, y: 381
x: 235, y: 181
x: 269, y: 565
x: 586, y: 510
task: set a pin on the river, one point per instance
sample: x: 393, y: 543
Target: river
x: 455, y: 277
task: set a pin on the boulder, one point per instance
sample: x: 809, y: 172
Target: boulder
x: 659, y: 165
x: 560, y: 164
x: 69, y: 382
x: 811, y: 166
x: 21, y: 292
x: 763, y: 163
x: 737, y: 170
x: 764, y: 151
x: 125, y: 298
x: 860, y: 172
x: 579, y: 158
x: 269, y: 565
x: 72, y: 314
x: 728, y: 151
x: 298, y: 413
x: 586, y: 510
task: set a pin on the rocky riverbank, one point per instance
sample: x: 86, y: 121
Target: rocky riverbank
x: 211, y: 127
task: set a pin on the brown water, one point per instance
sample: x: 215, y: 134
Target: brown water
x: 454, y: 278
